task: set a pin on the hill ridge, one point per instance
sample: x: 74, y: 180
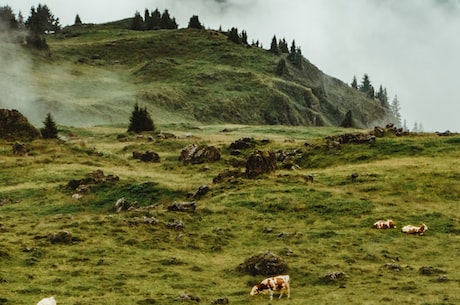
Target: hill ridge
x: 188, y: 75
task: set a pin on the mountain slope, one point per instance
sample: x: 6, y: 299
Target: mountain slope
x: 99, y: 71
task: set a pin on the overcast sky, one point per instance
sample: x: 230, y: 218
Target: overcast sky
x: 411, y: 47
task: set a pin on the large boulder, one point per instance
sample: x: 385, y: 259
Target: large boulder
x: 266, y: 263
x: 260, y: 162
x: 148, y: 156
x: 14, y: 126
x: 197, y: 154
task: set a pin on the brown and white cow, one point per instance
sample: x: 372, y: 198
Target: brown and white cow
x: 269, y: 285
x: 410, y: 229
x: 382, y: 224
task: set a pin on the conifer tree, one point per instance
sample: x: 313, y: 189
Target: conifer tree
x: 293, y: 49
x: 281, y: 68
x: 156, y: 19
x: 195, y: 23
x: 77, y: 20
x: 354, y: 83
x: 140, y: 120
x: 283, y: 47
x: 7, y: 19
x: 395, y: 109
x: 274, y: 46
x: 244, y: 37
x: 166, y: 22
x: 49, y: 131
x: 137, y: 22
x: 234, y: 36
x: 365, y: 84
x: 348, y: 121
x: 148, y: 20
x: 382, y: 96
x: 41, y: 20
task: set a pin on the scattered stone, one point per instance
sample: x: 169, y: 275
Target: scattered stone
x: 20, y: 149
x: 202, y: 191
x: 429, y: 270
x: 96, y: 177
x: 243, y: 143
x: 182, y: 206
x: 350, y: 138
x: 123, y: 205
x: 393, y: 266
x: 177, y: 225
x: 333, y: 277
x: 187, y: 297
x: 227, y: 174
x: 446, y: 133
x: 265, y: 263
x: 62, y: 237
x: 221, y: 301
x: 148, y: 156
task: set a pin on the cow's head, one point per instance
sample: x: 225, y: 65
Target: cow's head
x: 259, y: 289
x: 422, y: 229
x: 254, y: 290
x: 391, y: 223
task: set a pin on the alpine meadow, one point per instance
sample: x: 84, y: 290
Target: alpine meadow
x: 255, y: 164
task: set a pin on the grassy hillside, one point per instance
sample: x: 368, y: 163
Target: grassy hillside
x: 97, y: 72
x: 317, y: 228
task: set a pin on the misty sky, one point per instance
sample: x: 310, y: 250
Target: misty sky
x: 411, y: 47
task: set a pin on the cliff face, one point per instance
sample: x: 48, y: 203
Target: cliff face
x: 15, y: 126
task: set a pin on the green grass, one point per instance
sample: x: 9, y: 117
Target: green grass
x: 316, y: 228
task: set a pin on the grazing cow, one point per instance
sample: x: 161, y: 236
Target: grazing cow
x: 269, y: 285
x: 410, y: 229
x: 382, y: 224
x: 47, y: 301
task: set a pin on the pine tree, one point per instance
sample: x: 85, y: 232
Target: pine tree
x: 354, y: 83
x: 405, y: 125
x: 166, y: 22
x: 195, y: 23
x: 244, y: 37
x: 382, y: 96
x: 274, y: 46
x: 77, y: 20
x: 156, y: 19
x: 281, y: 68
x: 293, y: 47
x: 233, y: 35
x: 49, y: 131
x: 148, y: 20
x: 137, y: 23
x: 395, y: 109
x: 42, y: 21
x: 140, y: 120
x: 283, y: 47
x: 365, y: 84
x: 7, y: 19
x: 348, y: 121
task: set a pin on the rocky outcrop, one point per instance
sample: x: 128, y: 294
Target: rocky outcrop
x: 260, y: 162
x: 196, y: 154
x: 15, y: 126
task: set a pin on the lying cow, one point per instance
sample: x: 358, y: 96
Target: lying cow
x: 382, y: 224
x: 410, y: 229
x: 47, y: 301
x: 269, y: 285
